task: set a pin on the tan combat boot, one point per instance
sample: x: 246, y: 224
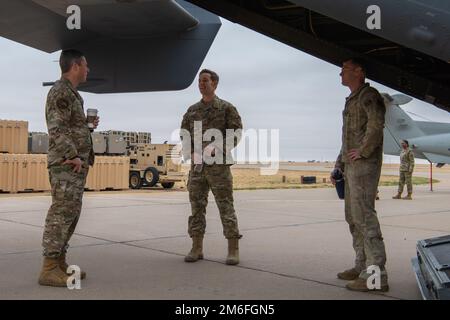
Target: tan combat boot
x: 51, y: 274
x: 350, y: 274
x: 360, y: 284
x: 398, y: 196
x: 408, y: 197
x: 233, y: 251
x: 196, y: 252
x: 63, y: 265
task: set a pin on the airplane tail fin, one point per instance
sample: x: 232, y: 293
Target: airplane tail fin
x: 398, y: 124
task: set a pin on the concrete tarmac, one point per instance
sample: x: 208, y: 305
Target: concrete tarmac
x: 132, y: 245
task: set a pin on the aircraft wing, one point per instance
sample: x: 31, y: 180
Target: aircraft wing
x: 145, y: 45
x: 41, y: 23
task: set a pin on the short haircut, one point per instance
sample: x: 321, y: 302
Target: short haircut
x: 406, y: 141
x: 359, y: 63
x: 214, y: 76
x: 68, y: 58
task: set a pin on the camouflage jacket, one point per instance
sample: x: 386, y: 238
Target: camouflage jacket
x: 406, y: 161
x: 220, y: 115
x: 363, y: 124
x: 69, y: 135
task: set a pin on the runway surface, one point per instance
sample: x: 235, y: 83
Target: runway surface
x: 132, y: 245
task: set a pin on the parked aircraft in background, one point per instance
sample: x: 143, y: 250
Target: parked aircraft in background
x: 429, y: 140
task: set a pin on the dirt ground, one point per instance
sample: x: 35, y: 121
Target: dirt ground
x: 248, y: 177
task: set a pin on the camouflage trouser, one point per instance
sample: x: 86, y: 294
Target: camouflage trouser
x: 361, y: 183
x: 405, y: 177
x: 62, y: 217
x: 219, y: 179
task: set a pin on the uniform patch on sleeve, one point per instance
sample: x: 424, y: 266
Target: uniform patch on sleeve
x: 62, y: 103
x: 368, y: 102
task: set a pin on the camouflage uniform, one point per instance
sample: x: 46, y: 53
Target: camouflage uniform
x: 363, y: 123
x: 69, y: 137
x: 221, y: 115
x: 406, y: 170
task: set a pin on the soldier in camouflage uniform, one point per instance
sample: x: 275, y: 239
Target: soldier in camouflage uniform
x: 406, y: 170
x: 69, y: 156
x: 360, y: 160
x: 212, y: 113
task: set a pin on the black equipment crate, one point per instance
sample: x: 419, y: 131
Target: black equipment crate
x: 432, y: 268
x: 308, y: 180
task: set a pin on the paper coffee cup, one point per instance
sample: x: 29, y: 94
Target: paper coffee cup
x: 91, y: 116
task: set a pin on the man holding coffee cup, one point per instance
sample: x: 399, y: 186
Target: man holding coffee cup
x: 69, y: 156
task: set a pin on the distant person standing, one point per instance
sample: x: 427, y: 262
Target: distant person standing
x: 360, y: 159
x: 69, y: 155
x: 406, y: 170
x: 212, y: 113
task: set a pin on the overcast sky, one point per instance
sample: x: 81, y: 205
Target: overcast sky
x: 272, y: 85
